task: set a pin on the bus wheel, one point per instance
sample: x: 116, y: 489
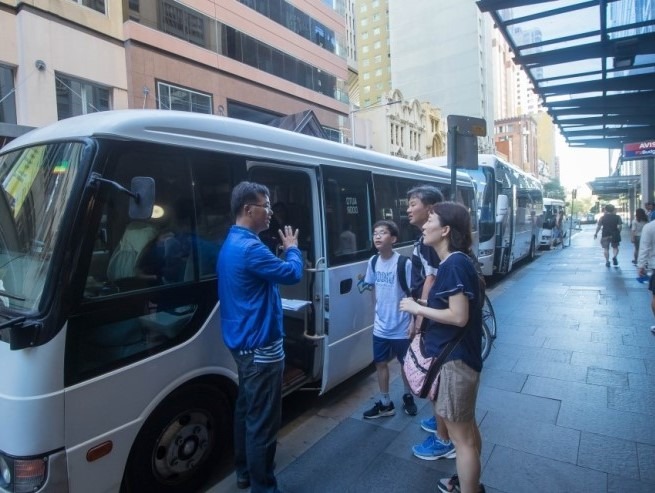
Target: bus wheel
x: 181, y: 442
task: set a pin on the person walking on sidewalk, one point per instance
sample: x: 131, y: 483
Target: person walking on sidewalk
x: 389, y: 274
x: 646, y: 260
x: 611, y: 235
x: 425, y: 264
x: 251, y: 322
x: 453, y: 305
x: 641, y: 219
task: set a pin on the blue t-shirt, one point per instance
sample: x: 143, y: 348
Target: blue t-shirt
x: 456, y: 275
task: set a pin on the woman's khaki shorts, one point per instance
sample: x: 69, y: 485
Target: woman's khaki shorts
x: 457, y: 393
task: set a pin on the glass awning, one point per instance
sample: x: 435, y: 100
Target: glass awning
x: 591, y: 61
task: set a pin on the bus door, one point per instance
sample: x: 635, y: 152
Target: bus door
x: 349, y: 307
x: 506, y: 233
x: 294, y: 198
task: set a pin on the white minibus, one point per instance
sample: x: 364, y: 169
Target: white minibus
x: 114, y: 373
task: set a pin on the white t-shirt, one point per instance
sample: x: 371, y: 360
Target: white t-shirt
x: 390, y: 322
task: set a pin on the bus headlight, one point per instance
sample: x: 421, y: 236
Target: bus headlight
x: 22, y: 475
x: 5, y: 474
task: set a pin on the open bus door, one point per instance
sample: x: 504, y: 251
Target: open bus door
x: 505, y: 234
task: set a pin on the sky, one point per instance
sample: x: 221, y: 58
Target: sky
x: 581, y: 165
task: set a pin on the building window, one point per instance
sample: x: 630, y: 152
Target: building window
x: 7, y: 96
x: 376, y: 31
x: 377, y: 45
x: 97, y: 5
x: 170, y: 97
x: 182, y: 22
x: 366, y: 75
x: 78, y: 97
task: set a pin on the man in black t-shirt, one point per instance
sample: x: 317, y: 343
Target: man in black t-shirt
x: 611, y: 235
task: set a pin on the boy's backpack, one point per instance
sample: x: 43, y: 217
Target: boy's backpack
x: 400, y: 272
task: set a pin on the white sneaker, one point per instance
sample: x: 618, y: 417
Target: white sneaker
x: 652, y: 329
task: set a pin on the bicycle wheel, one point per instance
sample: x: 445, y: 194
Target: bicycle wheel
x: 489, y: 317
x: 486, y: 341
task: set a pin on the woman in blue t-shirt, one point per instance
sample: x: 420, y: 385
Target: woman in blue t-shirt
x: 454, y: 305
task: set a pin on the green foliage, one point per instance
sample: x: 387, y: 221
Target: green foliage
x: 554, y: 190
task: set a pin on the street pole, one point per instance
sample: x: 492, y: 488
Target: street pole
x: 574, y: 193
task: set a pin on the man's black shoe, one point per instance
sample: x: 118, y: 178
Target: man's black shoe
x: 243, y: 481
x: 614, y: 261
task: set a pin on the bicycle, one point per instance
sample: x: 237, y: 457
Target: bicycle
x: 488, y: 327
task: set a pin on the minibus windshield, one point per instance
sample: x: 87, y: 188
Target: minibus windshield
x: 36, y: 184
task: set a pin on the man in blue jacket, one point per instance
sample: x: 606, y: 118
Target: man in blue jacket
x: 251, y: 321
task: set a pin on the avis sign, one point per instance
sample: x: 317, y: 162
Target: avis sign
x: 639, y: 150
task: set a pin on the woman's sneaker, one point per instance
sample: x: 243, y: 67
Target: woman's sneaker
x: 433, y: 448
x: 408, y: 405
x: 429, y: 424
x: 379, y: 410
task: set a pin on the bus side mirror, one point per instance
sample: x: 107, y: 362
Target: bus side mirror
x: 502, y: 206
x: 142, y: 198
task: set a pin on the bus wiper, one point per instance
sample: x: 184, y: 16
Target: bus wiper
x: 12, y: 296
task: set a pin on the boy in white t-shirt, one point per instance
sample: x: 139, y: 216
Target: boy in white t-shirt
x: 391, y: 326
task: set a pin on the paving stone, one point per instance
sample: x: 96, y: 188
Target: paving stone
x: 618, y: 484
x: 565, y: 391
x: 520, y: 339
x: 641, y: 381
x: 608, y: 454
x: 603, y: 421
x: 639, y: 338
x: 608, y: 362
x: 312, y: 472
x: 650, y: 366
x: 636, y: 401
x: 610, y: 337
x: 518, y: 405
x: 532, y: 436
x: 502, y: 379
x: 499, y: 361
x: 537, y: 354
x: 609, y: 378
x: 631, y: 351
x: 518, y: 471
x: 568, y: 344
x: 561, y: 371
x: 390, y: 474
x: 646, y: 455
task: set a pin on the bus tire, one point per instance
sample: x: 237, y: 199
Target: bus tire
x: 181, y: 442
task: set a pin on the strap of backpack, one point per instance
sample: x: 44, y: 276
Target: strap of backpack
x: 402, y: 276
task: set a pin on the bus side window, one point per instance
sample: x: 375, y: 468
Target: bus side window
x: 349, y: 215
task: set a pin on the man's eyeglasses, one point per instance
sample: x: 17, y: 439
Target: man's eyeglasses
x: 263, y: 206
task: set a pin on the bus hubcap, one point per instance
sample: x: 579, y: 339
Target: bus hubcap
x: 183, y: 445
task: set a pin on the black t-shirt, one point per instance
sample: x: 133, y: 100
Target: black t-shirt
x: 610, y: 223
x: 422, y: 256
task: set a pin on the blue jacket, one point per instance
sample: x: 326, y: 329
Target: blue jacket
x: 248, y: 274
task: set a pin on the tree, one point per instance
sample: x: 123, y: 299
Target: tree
x: 554, y: 190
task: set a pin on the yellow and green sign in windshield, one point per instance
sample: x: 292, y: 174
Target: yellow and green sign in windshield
x: 18, y: 182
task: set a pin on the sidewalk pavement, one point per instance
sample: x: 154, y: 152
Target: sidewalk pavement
x: 566, y: 401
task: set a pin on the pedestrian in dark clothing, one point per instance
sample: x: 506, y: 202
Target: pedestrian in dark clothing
x: 611, y: 235
x: 251, y: 322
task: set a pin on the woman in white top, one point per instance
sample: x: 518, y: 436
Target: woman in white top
x: 635, y: 230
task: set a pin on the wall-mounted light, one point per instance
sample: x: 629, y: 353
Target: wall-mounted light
x: 625, y: 51
x: 40, y: 65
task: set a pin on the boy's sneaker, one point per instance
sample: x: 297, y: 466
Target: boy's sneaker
x: 433, y: 448
x: 615, y: 261
x: 408, y: 405
x: 379, y: 410
x: 429, y: 424
x: 607, y: 264
x: 652, y: 329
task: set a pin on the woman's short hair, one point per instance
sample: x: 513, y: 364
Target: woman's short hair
x: 458, y: 218
x: 246, y: 192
